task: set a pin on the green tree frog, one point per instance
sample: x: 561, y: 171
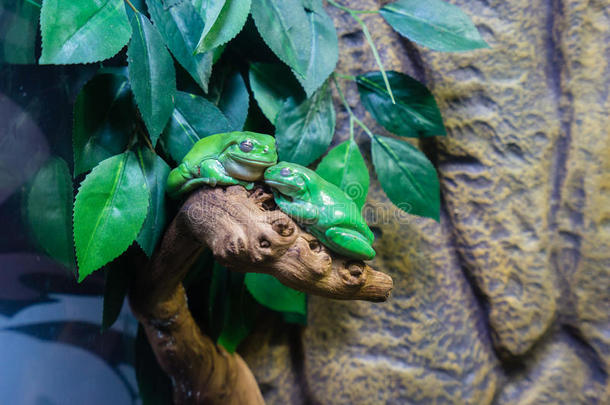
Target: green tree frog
x: 223, y: 159
x: 322, y: 208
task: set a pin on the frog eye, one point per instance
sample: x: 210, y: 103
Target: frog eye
x: 246, y: 146
x: 285, y: 172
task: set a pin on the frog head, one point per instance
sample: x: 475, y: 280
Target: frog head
x: 290, y: 179
x: 248, y: 154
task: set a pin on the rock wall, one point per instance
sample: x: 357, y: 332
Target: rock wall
x: 507, y: 300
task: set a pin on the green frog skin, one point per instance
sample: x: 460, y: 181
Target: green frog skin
x: 223, y: 159
x: 323, y: 208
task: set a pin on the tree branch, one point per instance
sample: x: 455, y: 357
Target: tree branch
x: 246, y: 233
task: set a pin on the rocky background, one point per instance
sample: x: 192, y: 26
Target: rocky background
x: 507, y: 300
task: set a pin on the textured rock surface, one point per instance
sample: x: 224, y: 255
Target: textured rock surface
x: 507, y: 300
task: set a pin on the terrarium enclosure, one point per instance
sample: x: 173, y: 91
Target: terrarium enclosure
x: 298, y: 202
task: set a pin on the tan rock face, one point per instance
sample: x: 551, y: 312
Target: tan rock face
x: 507, y: 300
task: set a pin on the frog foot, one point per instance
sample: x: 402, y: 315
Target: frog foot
x: 192, y: 184
x: 247, y: 185
x: 349, y: 243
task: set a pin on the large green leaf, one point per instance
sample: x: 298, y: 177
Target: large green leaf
x: 271, y: 85
x: 284, y: 27
x: 156, y: 171
x: 232, y: 309
x: 18, y: 25
x: 407, y: 177
x: 49, y: 211
x: 229, y: 93
x: 304, y: 130
x: 344, y: 167
x: 193, y: 118
x: 324, y: 50
x: 103, y: 120
x: 269, y: 292
x: 152, y: 75
x: 415, y: 113
x: 433, y: 23
x: 224, y: 19
x: 118, y: 275
x: 82, y: 31
x: 181, y: 26
x: 109, y: 210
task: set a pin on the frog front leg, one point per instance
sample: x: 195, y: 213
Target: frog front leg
x: 211, y: 173
x: 349, y: 243
x: 302, y: 212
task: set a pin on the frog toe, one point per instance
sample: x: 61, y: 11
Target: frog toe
x: 349, y: 243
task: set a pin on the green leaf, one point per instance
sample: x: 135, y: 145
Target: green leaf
x: 180, y: 26
x: 284, y: 27
x: 49, y: 211
x: 433, y: 23
x: 407, y: 177
x: 415, y: 113
x: 155, y: 171
x: 272, y: 85
x: 324, y: 49
x: 229, y: 93
x: 82, y: 31
x: 23, y: 146
x: 232, y: 306
x: 193, y: 118
x: 18, y: 24
x: 109, y: 210
x: 118, y: 276
x: 269, y: 292
x: 304, y: 131
x: 344, y: 167
x: 103, y: 120
x: 224, y: 19
x: 152, y: 75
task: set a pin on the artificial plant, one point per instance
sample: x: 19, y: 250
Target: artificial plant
x: 174, y: 71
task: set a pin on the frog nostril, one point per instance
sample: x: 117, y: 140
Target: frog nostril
x: 266, y: 149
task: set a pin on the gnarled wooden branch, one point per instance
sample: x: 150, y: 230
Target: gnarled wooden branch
x: 246, y: 233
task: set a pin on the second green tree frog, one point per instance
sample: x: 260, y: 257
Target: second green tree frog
x: 321, y: 207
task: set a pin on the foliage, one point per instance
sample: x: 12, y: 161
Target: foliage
x: 194, y: 68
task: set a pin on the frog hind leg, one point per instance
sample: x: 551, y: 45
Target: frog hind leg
x: 349, y: 243
x: 177, y: 180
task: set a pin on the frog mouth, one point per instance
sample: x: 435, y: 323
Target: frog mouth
x: 283, y: 187
x: 251, y: 162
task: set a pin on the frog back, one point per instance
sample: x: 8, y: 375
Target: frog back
x: 336, y: 208
x: 210, y: 147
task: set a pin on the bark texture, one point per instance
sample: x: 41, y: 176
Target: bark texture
x: 245, y: 231
x: 507, y: 300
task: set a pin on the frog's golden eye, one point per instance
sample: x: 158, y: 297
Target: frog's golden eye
x: 246, y: 146
x: 285, y: 172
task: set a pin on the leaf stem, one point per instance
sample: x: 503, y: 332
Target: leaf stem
x: 32, y: 2
x: 346, y: 77
x: 369, y: 39
x: 135, y: 10
x: 349, y: 110
x: 351, y: 10
x: 147, y: 141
